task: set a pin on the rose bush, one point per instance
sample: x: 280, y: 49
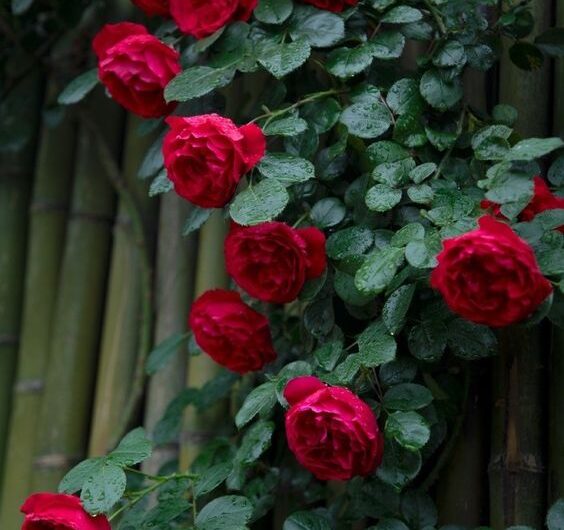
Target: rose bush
x: 351, y: 183
x: 153, y: 7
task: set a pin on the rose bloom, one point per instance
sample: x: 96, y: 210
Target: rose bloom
x: 50, y: 511
x: 206, y: 157
x: 331, y: 5
x: 233, y: 334
x: 543, y: 200
x: 490, y: 275
x: 135, y: 67
x: 201, y: 18
x: 153, y: 7
x: 272, y: 261
x: 331, y: 431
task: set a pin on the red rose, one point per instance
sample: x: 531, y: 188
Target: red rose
x: 206, y: 156
x: 135, y: 67
x: 153, y: 7
x: 490, y: 275
x: 331, y: 431
x: 543, y: 200
x: 230, y: 332
x: 50, y: 511
x: 272, y: 261
x: 201, y: 18
x: 332, y: 5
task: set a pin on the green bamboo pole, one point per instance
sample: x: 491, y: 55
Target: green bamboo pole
x: 556, y: 427
x: 16, y: 175
x: 176, y: 262
x: 61, y: 439
x: 199, y: 427
x: 123, y: 313
x: 48, y: 216
x: 517, y: 467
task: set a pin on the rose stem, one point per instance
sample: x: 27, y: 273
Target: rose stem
x: 65, y: 414
x: 48, y: 218
x: 16, y: 168
x: 556, y: 426
x: 123, y: 315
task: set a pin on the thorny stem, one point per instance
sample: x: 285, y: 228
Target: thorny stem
x: 445, y: 159
x: 145, y: 330
x: 437, y: 16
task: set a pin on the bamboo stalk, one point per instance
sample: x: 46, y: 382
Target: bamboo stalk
x: 517, y: 467
x: 48, y: 216
x: 16, y: 175
x: 556, y: 389
x: 199, y: 427
x: 65, y: 414
x: 174, y: 291
x: 123, y: 313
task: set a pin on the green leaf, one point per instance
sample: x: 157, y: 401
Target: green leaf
x: 427, y: 341
x: 328, y: 212
x: 159, y: 357
x: 379, y: 270
x: 393, y: 174
x: 19, y: 7
x: 555, y: 517
x: 196, y: 218
x: 211, y: 478
x: 348, y: 62
x: 534, y: 148
x: 442, y: 94
x: 79, y: 87
x: 556, y: 172
x: 153, y: 161
x: 403, y: 97
x: 351, y: 241
x: 259, y: 203
x: 418, y: 509
x: 347, y: 291
x: 399, y: 467
x: 526, y: 56
x: 281, y: 59
x: 376, y: 345
x: 367, y: 119
x: 320, y: 29
x: 422, y: 194
x: 386, y: 152
x: 286, y: 169
x: 407, y: 396
x: 285, y: 126
x: 407, y: 234
x: 381, y: 198
x: 471, y: 341
x: 103, y: 489
x: 255, y: 442
x: 396, y: 307
x: 345, y: 372
x: 162, y: 515
x: 409, y: 429
x: 328, y: 355
x: 225, y: 513
x: 74, y: 480
x: 273, y: 11
x: 451, y: 54
x: 261, y: 400
x: 306, y: 521
x: 197, y: 81
x: 161, y: 184
x: 322, y: 115
x: 402, y: 15
x: 551, y: 42
x: 505, y: 114
x: 387, y: 45
x: 134, y: 448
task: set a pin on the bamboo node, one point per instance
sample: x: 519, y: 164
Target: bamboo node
x: 29, y: 386
x: 56, y: 461
x: 44, y: 206
x: 93, y: 217
x: 9, y: 340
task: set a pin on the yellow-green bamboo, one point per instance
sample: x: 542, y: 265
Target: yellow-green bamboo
x: 518, y: 460
x: 199, y: 427
x: 48, y: 216
x: 176, y: 262
x: 556, y: 426
x: 16, y: 176
x: 123, y: 313
x: 62, y: 437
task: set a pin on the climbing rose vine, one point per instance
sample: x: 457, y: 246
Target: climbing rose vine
x: 378, y: 228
